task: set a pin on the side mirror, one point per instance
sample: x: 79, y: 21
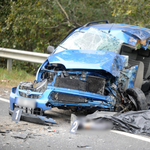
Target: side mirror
x: 50, y: 49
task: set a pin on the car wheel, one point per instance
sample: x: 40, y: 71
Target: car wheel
x: 139, y: 98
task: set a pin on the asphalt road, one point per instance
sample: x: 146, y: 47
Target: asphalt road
x: 58, y: 136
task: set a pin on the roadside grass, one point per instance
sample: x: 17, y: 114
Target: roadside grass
x: 14, y: 77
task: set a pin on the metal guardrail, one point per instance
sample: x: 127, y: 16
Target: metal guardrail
x: 11, y: 54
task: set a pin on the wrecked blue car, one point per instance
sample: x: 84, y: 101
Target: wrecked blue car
x: 99, y: 66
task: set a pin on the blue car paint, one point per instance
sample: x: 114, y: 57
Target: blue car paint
x: 130, y: 74
x: 39, y: 73
x: 88, y: 60
x: 39, y: 102
x: 80, y: 59
x: 48, y: 120
x: 100, y: 101
x: 127, y: 33
x: 127, y: 77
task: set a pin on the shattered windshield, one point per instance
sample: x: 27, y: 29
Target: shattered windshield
x: 92, y: 39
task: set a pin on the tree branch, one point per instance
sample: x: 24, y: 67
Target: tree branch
x: 63, y: 10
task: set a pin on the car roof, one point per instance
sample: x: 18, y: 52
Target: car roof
x: 113, y: 26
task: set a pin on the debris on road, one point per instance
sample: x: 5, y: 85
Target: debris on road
x: 50, y: 130
x: 20, y: 135
x: 2, y: 131
x: 86, y: 146
x: 37, y: 135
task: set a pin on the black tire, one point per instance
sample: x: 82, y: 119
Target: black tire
x: 145, y: 87
x: 139, y: 98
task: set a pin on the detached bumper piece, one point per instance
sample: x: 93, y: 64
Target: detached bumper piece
x: 35, y: 118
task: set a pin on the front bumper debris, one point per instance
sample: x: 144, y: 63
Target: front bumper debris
x: 35, y: 118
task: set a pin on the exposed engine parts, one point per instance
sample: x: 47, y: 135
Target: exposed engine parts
x: 93, y: 84
x: 40, y: 87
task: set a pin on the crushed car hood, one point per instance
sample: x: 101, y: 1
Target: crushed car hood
x: 88, y: 59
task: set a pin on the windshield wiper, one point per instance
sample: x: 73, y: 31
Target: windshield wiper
x: 63, y: 47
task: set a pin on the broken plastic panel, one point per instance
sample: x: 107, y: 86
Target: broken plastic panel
x: 35, y: 118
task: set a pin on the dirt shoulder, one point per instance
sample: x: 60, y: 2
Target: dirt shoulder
x: 5, y: 91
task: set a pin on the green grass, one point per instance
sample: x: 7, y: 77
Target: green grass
x: 14, y: 77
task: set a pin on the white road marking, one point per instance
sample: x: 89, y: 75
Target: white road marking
x: 143, y: 138
x: 4, y: 100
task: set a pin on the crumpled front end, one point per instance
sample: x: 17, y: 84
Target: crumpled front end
x: 91, y: 87
x: 64, y: 89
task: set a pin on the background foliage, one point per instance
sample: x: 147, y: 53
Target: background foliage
x: 31, y: 24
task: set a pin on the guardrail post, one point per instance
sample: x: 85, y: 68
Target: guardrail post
x: 9, y: 64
